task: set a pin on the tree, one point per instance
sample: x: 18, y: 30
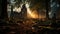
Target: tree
x: 18, y: 2
x: 4, y: 9
x: 47, y: 8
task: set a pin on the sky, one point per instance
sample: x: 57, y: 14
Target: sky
x: 34, y: 7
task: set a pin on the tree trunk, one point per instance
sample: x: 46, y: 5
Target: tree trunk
x: 4, y: 9
x: 47, y: 8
